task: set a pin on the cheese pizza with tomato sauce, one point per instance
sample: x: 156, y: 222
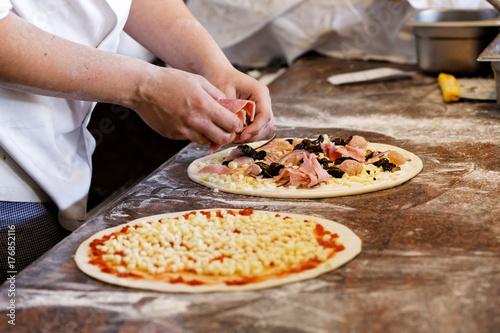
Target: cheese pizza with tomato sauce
x: 217, y: 250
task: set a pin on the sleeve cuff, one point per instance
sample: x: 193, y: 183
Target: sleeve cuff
x: 5, y: 7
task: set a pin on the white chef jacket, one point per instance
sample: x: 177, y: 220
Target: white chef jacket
x: 45, y: 147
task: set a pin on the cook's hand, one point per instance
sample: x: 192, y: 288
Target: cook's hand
x: 172, y: 33
x: 183, y: 106
x: 236, y: 84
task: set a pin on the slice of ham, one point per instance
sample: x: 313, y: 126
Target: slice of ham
x: 244, y: 109
x: 241, y: 108
x: 277, y: 145
x: 235, y: 153
x: 354, y: 152
x: 292, y: 176
x: 310, y: 173
x: 218, y: 169
x: 333, y: 152
x: 240, y: 161
x: 311, y: 167
x: 329, y: 149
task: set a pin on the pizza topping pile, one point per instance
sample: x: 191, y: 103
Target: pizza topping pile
x: 207, y: 247
x: 302, y: 163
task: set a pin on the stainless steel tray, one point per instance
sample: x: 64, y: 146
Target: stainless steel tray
x: 491, y: 54
x: 450, y: 40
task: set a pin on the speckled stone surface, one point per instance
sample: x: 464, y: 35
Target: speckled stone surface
x: 431, y: 247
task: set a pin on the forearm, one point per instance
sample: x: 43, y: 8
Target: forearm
x: 34, y: 61
x: 175, y: 103
x: 169, y: 30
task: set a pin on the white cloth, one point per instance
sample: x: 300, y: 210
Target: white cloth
x: 47, y: 137
x: 254, y: 32
x: 355, y: 29
x: 5, y: 7
x: 17, y: 185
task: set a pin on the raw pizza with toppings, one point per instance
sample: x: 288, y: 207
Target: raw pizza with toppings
x: 217, y: 250
x: 306, y: 168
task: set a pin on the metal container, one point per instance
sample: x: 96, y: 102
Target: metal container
x: 491, y: 54
x: 451, y: 40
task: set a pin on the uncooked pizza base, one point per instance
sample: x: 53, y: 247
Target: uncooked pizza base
x: 348, y: 238
x: 409, y: 170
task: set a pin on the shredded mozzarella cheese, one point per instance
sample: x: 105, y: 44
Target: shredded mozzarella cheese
x: 238, y: 180
x: 233, y: 244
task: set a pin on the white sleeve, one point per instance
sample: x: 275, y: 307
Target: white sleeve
x: 5, y: 7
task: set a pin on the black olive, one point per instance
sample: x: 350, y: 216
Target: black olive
x: 262, y: 165
x: 316, y: 149
x: 368, y: 155
x: 260, y: 155
x: 299, y: 146
x: 264, y: 170
x: 386, y: 165
x: 274, y: 168
x: 246, y: 150
x: 269, y: 171
x: 324, y: 161
x: 311, y: 146
x: 265, y: 173
x: 319, y: 140
x: 338, y: 141
x: 342, y: 159
x: 335, y: 172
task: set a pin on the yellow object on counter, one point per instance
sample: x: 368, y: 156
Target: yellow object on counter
x: 449, y: 87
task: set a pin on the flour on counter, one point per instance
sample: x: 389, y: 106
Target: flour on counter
x: 283, y: 205
x: 444, y: 130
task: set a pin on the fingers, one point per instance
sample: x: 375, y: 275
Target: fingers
x: 236, y: 84
x: 261, y: 134
x: 227, y: 120
x: 211, y: 122
x: 219, y: 124
x: 213, y: 133
x: 263, y: 124
x: 212, y: 91
x: 259, y: 129
x: 204, y: 119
